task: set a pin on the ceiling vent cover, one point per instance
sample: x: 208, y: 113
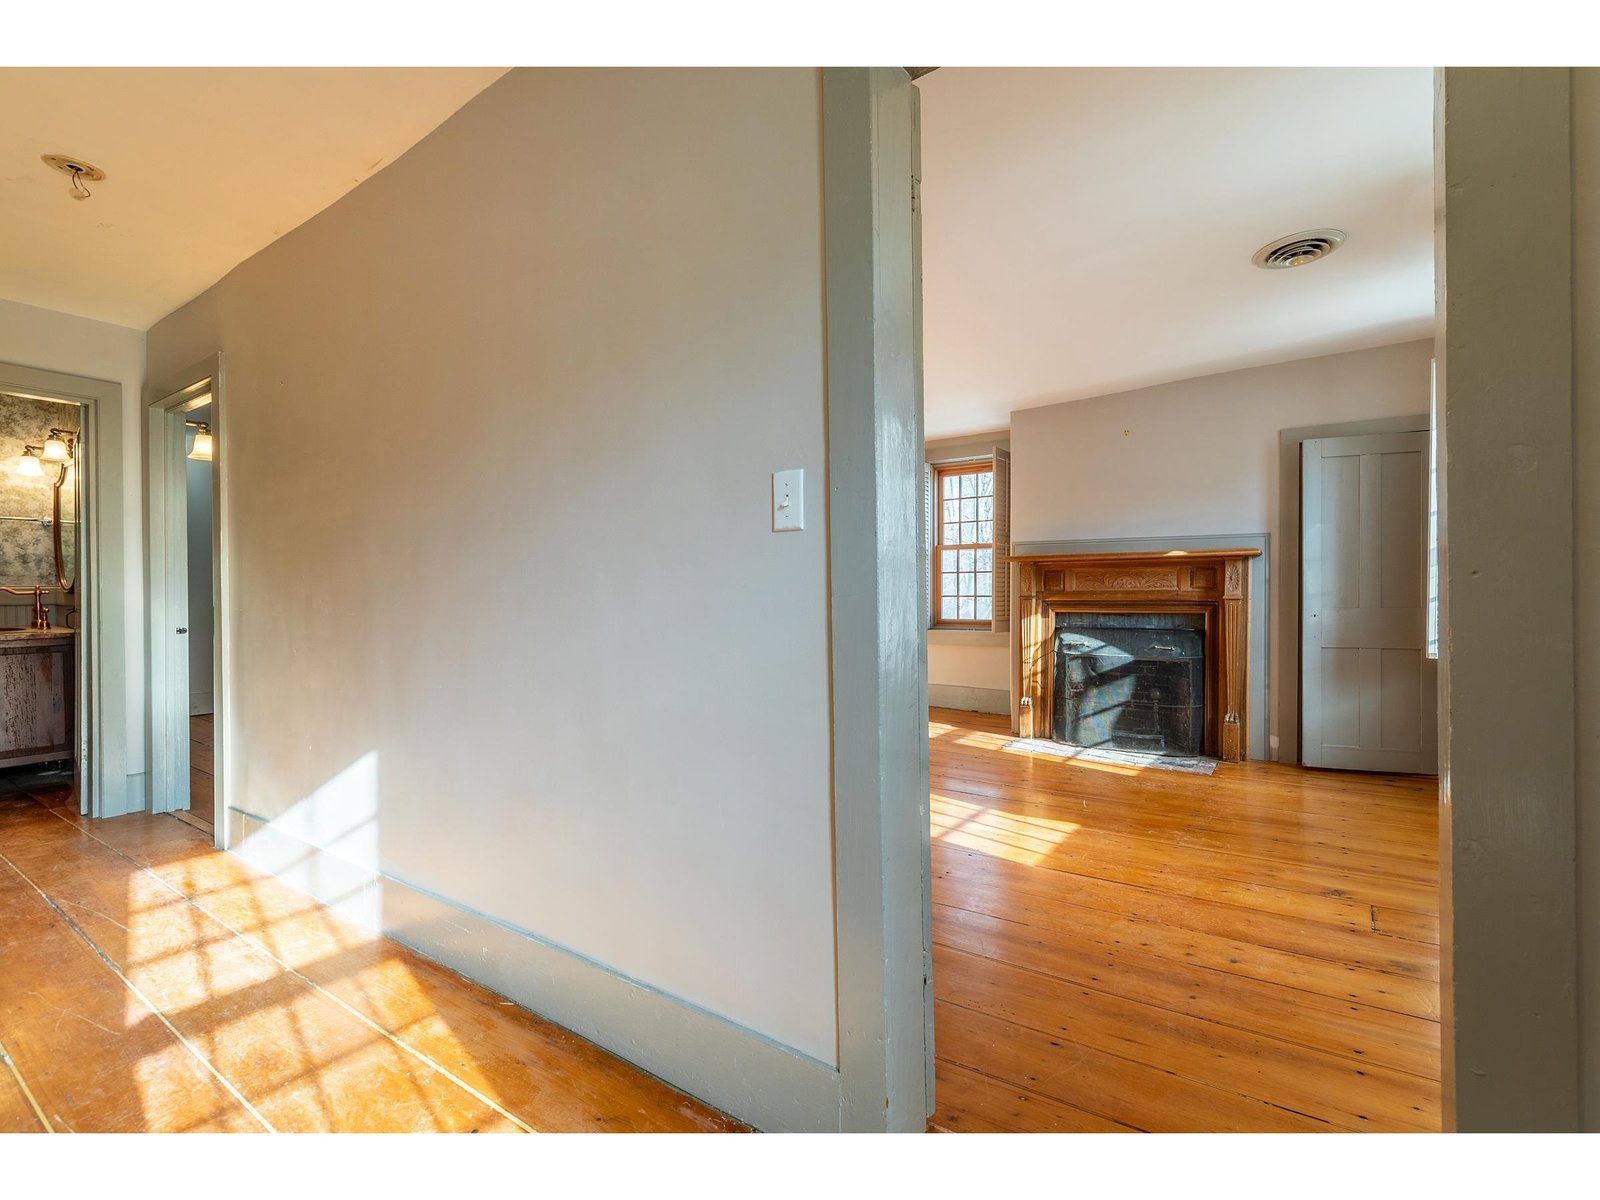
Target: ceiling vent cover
x: 1298, y: 249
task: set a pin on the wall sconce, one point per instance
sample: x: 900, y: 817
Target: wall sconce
x: 28, y: 464
x: 59, y: 446
x: 201, y: 451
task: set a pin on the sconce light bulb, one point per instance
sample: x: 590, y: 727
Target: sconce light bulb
x: 55, y: 450
x: 29, y: 465
x: 201, y: 451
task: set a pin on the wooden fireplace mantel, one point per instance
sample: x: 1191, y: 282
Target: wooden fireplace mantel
x: 1215, y: 583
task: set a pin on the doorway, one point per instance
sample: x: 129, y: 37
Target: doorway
x: 186, y: 668
x: 1368, y: 683
x: 40, y: 575
x: 1134, y: 928
x: 199, y: 617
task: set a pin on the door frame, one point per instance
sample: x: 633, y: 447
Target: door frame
x: 99, y: 640
x: 1289, y: 482
x: 1307, y: 664
x: 166, y: 558
x: 879, y: 660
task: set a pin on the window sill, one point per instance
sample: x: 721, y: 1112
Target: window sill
x: 941, y: 635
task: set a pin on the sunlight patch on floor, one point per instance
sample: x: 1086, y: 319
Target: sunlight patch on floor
x: 221, y: 987
x: 1025, y: 839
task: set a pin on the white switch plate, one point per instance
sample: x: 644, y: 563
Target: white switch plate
x: 788, y: 500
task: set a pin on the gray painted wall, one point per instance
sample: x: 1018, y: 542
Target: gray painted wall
x: 1198, y: 457
x: 558, y: 391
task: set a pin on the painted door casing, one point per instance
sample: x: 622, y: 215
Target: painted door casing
x: 1369, y: 691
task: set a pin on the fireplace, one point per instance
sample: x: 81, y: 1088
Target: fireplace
x: 1130, y: 681
x: 1138, y: 651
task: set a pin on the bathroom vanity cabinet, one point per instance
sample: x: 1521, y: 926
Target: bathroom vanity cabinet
x: 36, y: 677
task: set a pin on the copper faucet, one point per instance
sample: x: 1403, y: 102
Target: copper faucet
x: 41, y: 612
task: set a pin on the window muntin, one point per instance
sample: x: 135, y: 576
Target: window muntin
x: 963, y: 550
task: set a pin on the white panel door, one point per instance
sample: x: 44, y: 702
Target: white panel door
x: 1368, y: 693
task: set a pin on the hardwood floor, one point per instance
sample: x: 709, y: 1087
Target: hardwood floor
x: 149, y: 983
x: 1123, y: 949
x: 202, y: 785
x: 1114, y: 949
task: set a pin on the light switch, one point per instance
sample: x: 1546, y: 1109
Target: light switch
x: 788, y: 500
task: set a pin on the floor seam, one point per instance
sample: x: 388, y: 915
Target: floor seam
x: 1226, y: 1089
x: 27, y: 1092
x: 312, y: 984
x: 143, y: 999
x: 1088, y: 986
x: 1195, y: 964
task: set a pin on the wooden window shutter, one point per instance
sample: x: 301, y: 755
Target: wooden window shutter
x: 927, y: 544
x: 1002, y: 541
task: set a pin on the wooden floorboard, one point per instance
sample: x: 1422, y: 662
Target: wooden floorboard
x: 149, y: 983
x: 1114, y: 950
x: 202, y: 784
x: 1120, y: 948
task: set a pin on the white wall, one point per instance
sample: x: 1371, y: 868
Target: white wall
x: 197, y: 476
x: 969, y: 660
x: 517, y: 606
x: 1197, y: 457
x: 51, y: 341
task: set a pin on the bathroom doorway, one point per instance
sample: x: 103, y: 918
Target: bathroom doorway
x: 200, y: 617
x: 186, y: 669
x: 40, y: 575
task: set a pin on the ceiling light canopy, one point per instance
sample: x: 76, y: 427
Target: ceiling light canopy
x: 81, y: 173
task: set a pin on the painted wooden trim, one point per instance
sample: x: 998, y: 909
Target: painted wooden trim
x: 973, y: 446
x: 169, y: 742
x: 167, y: 710
x: 879, y: 642
x: 110, y: 790
x: 1289, y: 582
x: 1509, y: 923
x: 714, y: 1059
x: 988, y: 638
x: 969, y: 699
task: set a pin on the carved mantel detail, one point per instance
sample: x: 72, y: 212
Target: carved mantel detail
x: 1214, y: 583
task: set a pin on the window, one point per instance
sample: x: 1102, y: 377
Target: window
x: 963, y: 544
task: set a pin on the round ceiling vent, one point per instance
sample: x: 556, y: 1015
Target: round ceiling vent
x: 1298, y: 249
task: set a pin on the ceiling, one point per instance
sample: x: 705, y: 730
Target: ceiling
x: 1089, y: 231
x: 204, y: 167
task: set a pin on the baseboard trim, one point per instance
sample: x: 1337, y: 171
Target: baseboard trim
x: 731, y: 1067
x: 969, y: 699
x: 131, y: 795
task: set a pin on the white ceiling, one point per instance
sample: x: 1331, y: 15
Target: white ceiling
x: 204, y: 167
x: 1089, y: 231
